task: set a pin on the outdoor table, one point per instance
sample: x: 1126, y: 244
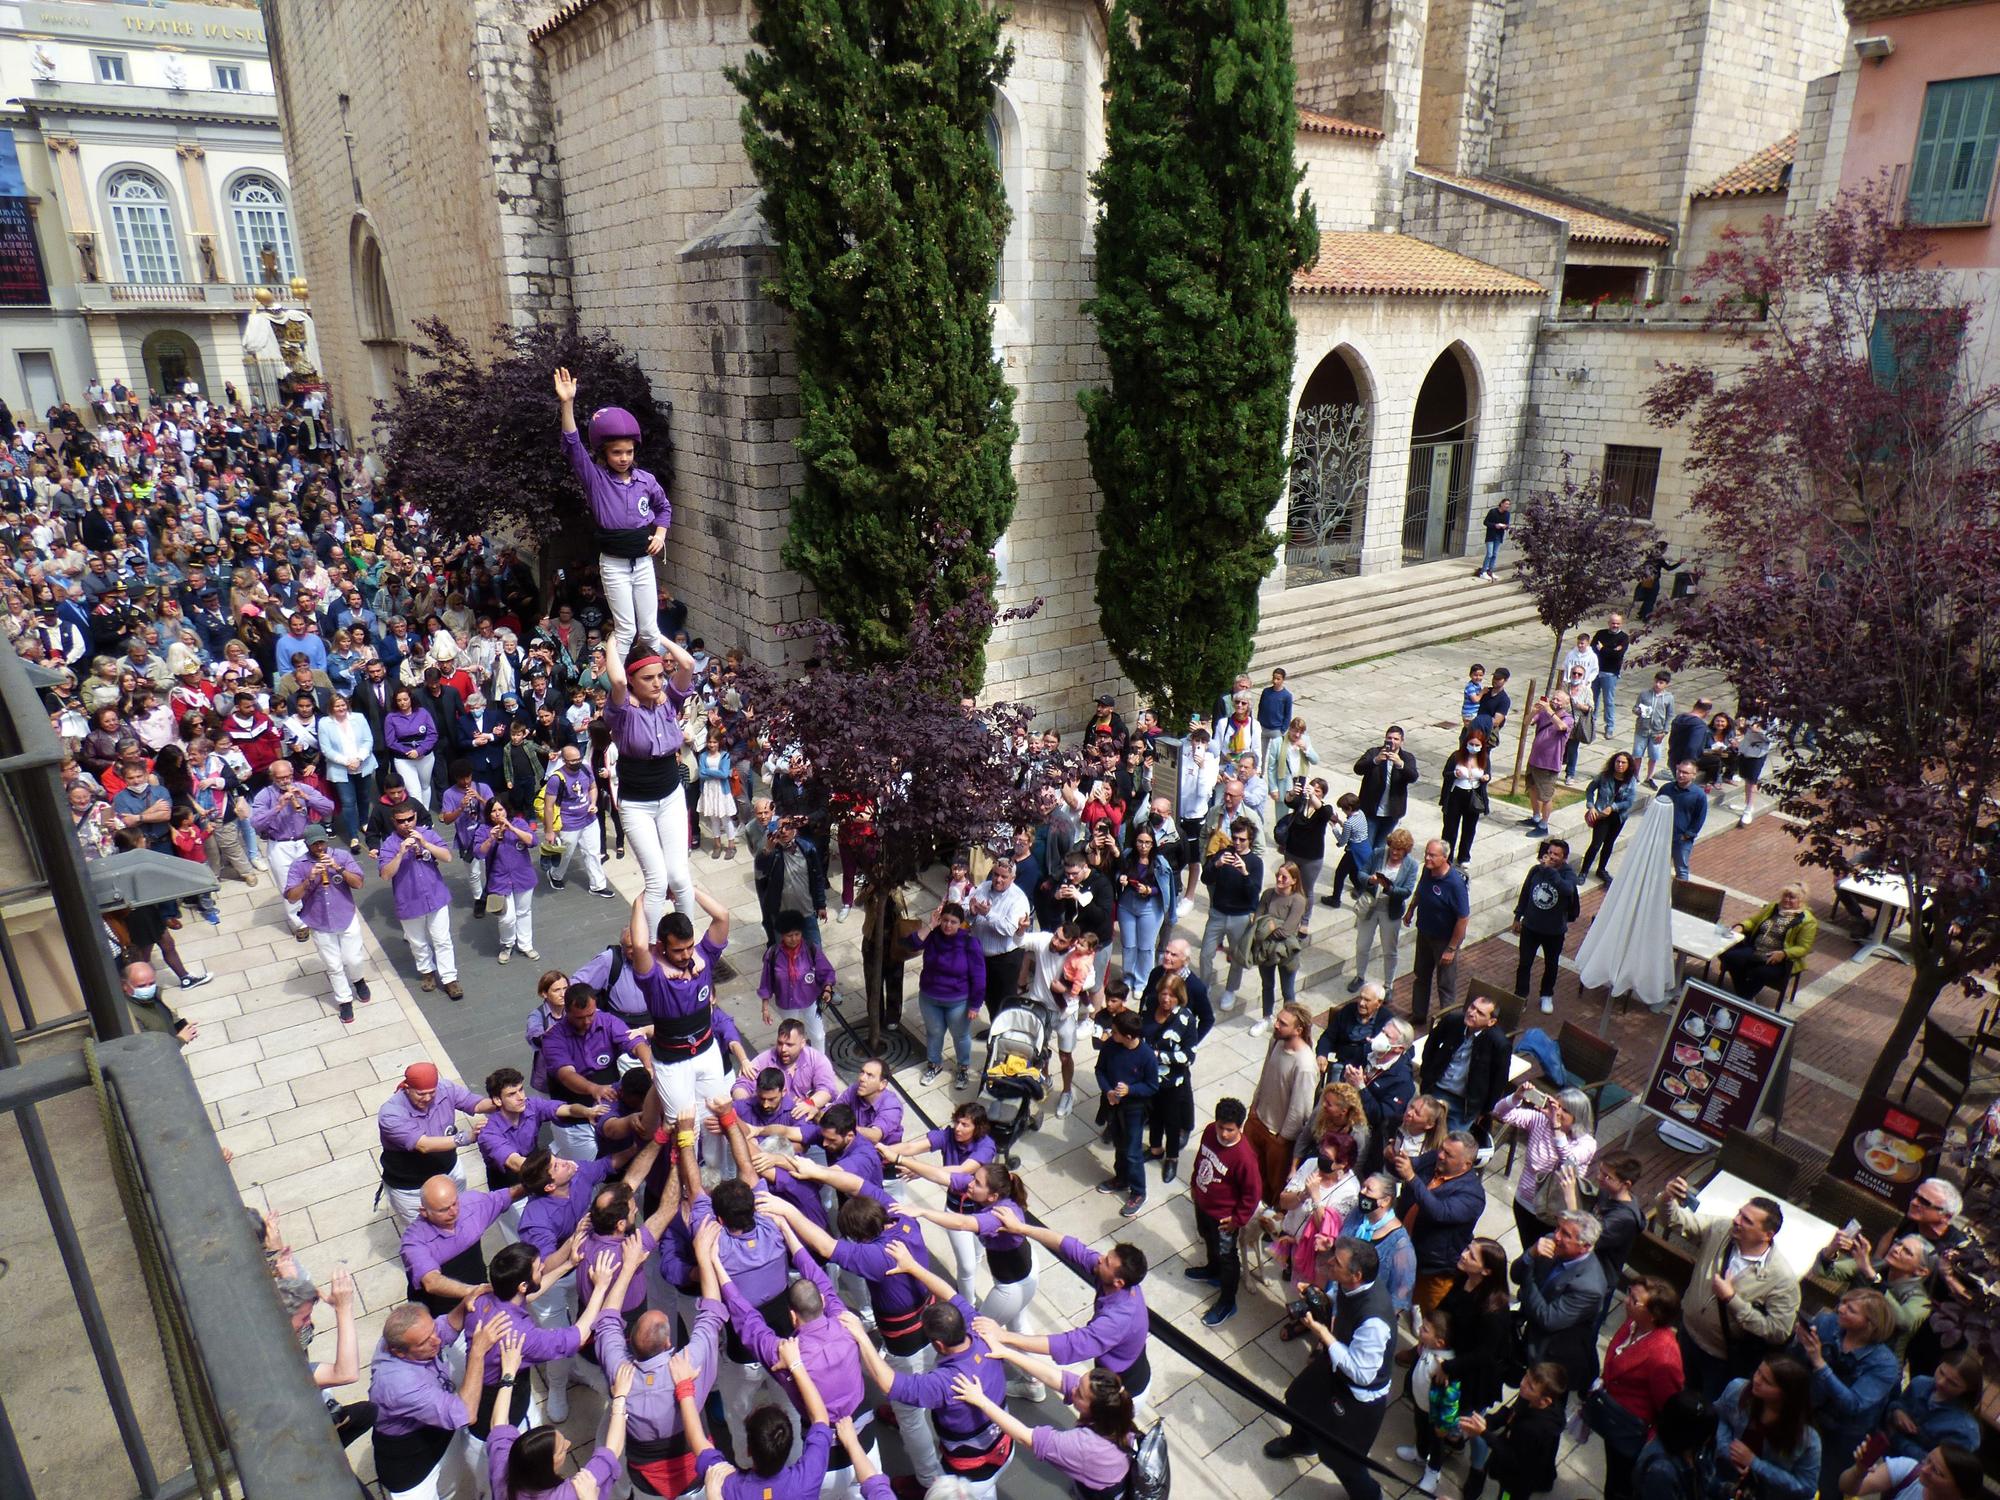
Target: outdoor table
x: 1801, y: 1238
x: 1519, y: 1065
x: 1697, y: 938
x: 1890, y: 894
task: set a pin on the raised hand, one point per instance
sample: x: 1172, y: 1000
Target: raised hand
x: 621, y: 1383
x: 565, y: 385
x: 604, y: 1267
x: 679, y: 1366
x: 487, y: 1334
x: 634, y: 1249
x: 512, y: 1346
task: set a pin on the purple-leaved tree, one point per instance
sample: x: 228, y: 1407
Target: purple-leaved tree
x: 1576, y: 554
x: 1847, y: 478
x: 476, y: 444
x: 898, y: 743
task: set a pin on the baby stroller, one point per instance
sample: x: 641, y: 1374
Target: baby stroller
x: 1017, y: 1071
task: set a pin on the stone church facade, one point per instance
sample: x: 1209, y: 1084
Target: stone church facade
x: 1474, y: 313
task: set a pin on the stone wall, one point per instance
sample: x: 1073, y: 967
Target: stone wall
x: 668, y: 250
x: 1363, y: 60
x: 424, y: 127
x: 1816, y: 161
x: 1391, y: 343
x: 1590, y: 382
x: 1503, y: 234
x: 1462, y: 47
x: 1342, y: 174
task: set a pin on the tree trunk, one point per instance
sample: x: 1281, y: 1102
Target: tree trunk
x: 1927, y: 982
x: 878, y: 931
x: 1555, y: 656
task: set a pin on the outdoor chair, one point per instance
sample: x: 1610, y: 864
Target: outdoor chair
x: 1653, y: 1254
x: 1508, y: 1007
x: 1698, y: 899
x: 1944, y: 1067
x: 1588, y: 1058
x: 1837, y: 1202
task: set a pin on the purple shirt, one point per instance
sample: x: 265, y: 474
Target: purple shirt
x: 510, y: 864
x: 327, y: 906
x: 401, y: 1123
x: 466, y: 805
x: 755, y: 1261
x: 795, y: 982
x: 944, y: 1141
x: 413, y: 733
x: 594, y: 1051
x: 859, y: 1157
x: 594, y: 1245
x: 570, y: 790
x: 409, y: 1393
x: 603, y: 1467
x: 810, y: 1071
x: 625, y: 996
x: 1077, y: 1453
x: 1115, y: 1336
x: 419, y: 887
x: 550, y: 1218
x: 957, y: 1421
x: 893, y: 1295
x: 500, y: 1140
x: 799, y: 1481
x: 884, y: 1112
x: 651, y: 1413
x: 617, y: 504
x: 824, y: 1346
x: 988, y: 1222
x: 1551, y: 738
x: 538, y: 1345
x: 426, y: 1247
x: 647, y: 733
x: 668, y: 997
x: 282, y: 823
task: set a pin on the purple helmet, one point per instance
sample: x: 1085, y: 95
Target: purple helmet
x: 609, y: 422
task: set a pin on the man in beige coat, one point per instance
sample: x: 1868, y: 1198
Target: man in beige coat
x: 1743, y: 1297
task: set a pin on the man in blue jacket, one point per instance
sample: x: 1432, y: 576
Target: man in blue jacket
x: 1447, y: 1197
x: 1128, y: 1072
x: 1690, y: 812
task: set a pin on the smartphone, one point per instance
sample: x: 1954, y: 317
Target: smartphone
x: 1851, y: 1227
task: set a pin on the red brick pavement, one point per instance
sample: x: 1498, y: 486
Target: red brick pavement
x: 1842, y: 1035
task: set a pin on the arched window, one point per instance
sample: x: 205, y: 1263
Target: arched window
x: 144, y: 225
x: 257, y: 204
x: 996, y: 142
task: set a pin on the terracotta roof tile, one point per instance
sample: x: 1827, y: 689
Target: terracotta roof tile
x: 1361, y: 263
x: 1878, y: 10
x: 1769, y: 171
x: 1585, y: 225
x: 1314, y: 122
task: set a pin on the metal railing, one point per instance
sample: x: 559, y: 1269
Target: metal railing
x: 183, y: 293
x: 245, y: 1402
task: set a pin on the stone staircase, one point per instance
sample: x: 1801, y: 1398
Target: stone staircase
x: 1346, y: 620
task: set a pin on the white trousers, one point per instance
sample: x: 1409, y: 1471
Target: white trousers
x: 964, y: 1251
x: 343, y: 955
x: 475, y: 867
x: 590, y: 843
x: 416, y: 776
x: 1007, y: 1304
x: 684, y: 1085
x: 405, y: 1202
x: 914, y: 1422
x: 744, y: 1388
x: 517, y: 921
x: 452, y: 1479
x: 557, y: 1309
x: 632, y: 594
x: 282, y: 855
x: 657, y: 833
x: 812, y: 1020
x: 430, y: 943
x: 573, y: 1140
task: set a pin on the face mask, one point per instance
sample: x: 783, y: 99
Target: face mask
x: 146, y: 992
x: 1366, y: 1204
x: 1378, y: 1045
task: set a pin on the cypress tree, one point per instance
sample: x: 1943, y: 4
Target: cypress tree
x: 1199, y: 235
x: 866, y: 126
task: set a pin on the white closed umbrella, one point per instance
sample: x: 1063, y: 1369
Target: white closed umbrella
x: 1630, y: 945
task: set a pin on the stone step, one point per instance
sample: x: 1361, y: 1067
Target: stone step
x: 1336, y: 641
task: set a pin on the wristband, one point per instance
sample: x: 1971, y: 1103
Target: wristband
x: 505, y: 1380
x: 727, y: 1118
x: 684, y: 1390
x: 684, y: 1140
x: 660, y: 1136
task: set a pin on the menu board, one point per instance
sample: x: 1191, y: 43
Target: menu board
x: 1715, y: 1063
x: 1887, y: 1150
x: 22, y: 281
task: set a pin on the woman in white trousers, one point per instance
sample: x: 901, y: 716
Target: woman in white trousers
x: 643, y: 713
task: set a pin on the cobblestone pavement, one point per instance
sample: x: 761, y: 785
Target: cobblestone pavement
x: 293, y: 1092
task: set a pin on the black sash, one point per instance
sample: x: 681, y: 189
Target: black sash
x: 1009, y: 1266
x: 648, y: 778
x: 1137, y: 1375
x: 681, y: 1038
x: 903, y: 1332
x: 564, y: 1095
x: 1116, y: 1491
x: 403, y: 1462
x: 517, y: 1410
x: 629, y: 542
x: 777, y: 1315
x: 468, y: 1266
x: 979, y: 1456
x: 640, y: 1450
x: 404, y: 1168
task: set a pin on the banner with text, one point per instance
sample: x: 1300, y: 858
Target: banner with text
x: 1716, y: 1062
x: 1887, y: 1149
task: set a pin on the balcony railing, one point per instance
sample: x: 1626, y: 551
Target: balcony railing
x: 1673, y: 299
x: 220, y: 294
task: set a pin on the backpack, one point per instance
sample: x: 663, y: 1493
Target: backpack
x: 1152, y: 1474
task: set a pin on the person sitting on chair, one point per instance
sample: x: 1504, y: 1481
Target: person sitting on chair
x: 1773, y: 944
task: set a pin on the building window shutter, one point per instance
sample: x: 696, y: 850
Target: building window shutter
x: 1957, y: 141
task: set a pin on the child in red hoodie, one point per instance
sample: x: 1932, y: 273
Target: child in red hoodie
x: 1228, y: 1188
x: 191, y: 843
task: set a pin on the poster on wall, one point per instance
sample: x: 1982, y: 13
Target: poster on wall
x: 23, y: 281
x: 1716, y: 1062
x: 1887, y: 1150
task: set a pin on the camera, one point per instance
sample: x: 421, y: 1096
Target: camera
x: 1313, y: 1303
